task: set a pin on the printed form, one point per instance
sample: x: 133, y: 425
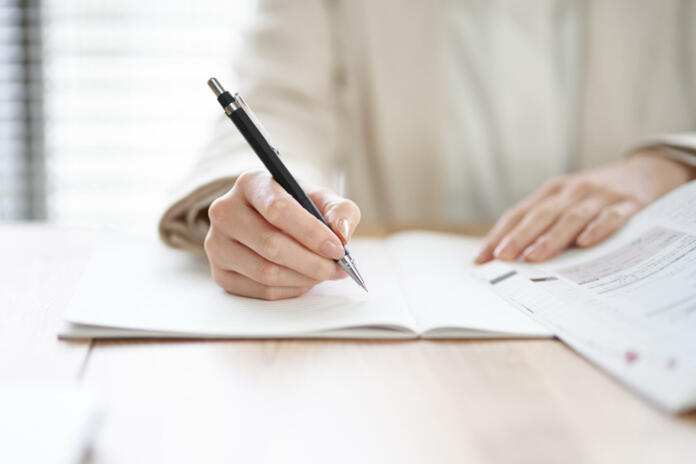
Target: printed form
x: 629, y: 304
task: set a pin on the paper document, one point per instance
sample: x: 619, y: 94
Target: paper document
x: 628, y: 304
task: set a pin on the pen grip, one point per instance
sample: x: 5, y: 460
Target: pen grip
x: 271, y: 160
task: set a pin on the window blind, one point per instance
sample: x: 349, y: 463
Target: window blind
x: 21, y: 115
x: 127, y: 107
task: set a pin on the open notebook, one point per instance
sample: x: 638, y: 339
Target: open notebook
x: 421, y: 285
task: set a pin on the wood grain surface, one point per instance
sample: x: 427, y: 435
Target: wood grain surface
x: 40, y: 267
x: 521, y: 401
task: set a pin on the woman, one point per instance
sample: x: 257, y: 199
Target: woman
x: 442, y: 112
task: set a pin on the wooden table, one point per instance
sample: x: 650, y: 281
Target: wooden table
x: 530, y: 401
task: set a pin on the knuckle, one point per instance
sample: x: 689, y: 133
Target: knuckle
x: 574, y: 216
x: 632, y: 199
x: 275, y: 209
x: 270, y: 274
x: 582, y: 187
x: 208, y: 244
x: 217, y: 211
x: 554, y: 183
x: 271, y: 293
x: 240, y: 219
x: 316, y: 235
x: 511, y: 214
x: 612, y: 214
x: 603, y: 190
x: 243, y: 178
x: 218, y: 278
x: 322, y: 271
x: 246, y: 177
x: 270, y: 245
x: 299, y: 291
x: 543, y: 211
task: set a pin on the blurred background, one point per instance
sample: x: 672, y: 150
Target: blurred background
x: 103, y: 104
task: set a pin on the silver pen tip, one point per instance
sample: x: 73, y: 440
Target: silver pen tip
x: 349, y: 266
x: 215, y: 86
x: 358, y: 278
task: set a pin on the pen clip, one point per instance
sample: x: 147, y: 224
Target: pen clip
x: 243, y: 105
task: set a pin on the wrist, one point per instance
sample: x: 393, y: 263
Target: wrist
x: 656, y: 173
x: 661, y: 159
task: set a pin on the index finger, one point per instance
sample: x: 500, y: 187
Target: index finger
x: 512, y: 217
x: 280, y: 209
x: 342, y: 214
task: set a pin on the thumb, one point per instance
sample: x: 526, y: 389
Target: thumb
x: 343, y: 215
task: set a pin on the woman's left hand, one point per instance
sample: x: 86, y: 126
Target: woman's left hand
x: 582, y: 209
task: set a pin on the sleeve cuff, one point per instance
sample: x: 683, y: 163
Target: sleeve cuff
x: 185, y: 222
x: 679, y: 147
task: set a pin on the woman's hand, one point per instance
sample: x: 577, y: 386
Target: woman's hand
x: 263, y: 244
x: 582, y: 209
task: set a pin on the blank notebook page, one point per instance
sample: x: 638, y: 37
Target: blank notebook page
x: 138, y: 283
x: 437, y: 275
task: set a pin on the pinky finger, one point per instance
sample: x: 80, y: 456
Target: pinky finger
x: 609, y: 220
x: 238, y: 284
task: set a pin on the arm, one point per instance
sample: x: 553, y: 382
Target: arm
x: 259, y: 241
x: 586, y: 208
x: 285, y: 71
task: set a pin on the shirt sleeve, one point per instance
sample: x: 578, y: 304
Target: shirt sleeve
x: 680, y: 147
x: 285, y: 71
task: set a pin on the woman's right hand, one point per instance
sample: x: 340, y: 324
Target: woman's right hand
x: 264, y: 244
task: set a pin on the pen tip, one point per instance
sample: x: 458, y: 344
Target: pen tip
x: 348, y: 265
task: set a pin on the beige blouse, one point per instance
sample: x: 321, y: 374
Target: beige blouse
x: 444, y: 111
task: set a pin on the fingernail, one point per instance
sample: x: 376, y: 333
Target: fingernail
x: 483, y: 255
x: 535, y: 252
x: 331, y: 249
x: 506, y: 250
x: 344, y: 229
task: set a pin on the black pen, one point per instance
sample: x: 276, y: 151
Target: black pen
x: 242, y: 117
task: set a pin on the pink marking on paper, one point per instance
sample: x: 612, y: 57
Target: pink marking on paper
x: 527, y: 308
x: 631, y: 356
